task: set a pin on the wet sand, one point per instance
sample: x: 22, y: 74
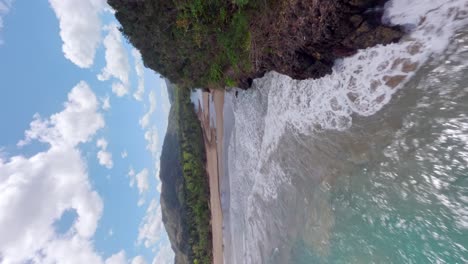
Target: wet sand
x: 213, y: 134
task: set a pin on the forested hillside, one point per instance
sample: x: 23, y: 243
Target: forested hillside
x: 217, y: 43
x: 185, y: 191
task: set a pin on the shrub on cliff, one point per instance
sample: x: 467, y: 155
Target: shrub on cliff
x: 193, y: 43
x: 217, y: 43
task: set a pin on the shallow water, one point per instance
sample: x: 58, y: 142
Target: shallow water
x: 349, y: 170
x: 406, y: 201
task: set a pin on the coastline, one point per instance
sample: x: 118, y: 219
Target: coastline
x: 213, y: 139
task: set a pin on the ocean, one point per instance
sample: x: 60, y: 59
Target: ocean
x: 366, y: 165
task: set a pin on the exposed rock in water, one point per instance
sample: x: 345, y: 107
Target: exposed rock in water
x: 216, y: 43
x: 303, y: 38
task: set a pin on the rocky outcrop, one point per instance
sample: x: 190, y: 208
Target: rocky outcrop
x: 211, y: 44
x: 303, y: 38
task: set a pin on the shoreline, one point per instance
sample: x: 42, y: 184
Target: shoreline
x: 213, y: 140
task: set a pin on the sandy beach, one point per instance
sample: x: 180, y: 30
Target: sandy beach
x: 213, y: 138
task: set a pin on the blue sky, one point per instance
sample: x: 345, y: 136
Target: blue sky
x: 79, y: 149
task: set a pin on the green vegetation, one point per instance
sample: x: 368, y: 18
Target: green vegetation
x: 218, y: 43
x: 197, y: 43
x: 196, y: 193
x: 185, y: 189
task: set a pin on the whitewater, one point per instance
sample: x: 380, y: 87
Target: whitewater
x: 366, y: 165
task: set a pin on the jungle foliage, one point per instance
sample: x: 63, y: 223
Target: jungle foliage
x: 197, y: 43
x: 196, y: 193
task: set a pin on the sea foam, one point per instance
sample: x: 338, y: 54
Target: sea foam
x: 359, y: 85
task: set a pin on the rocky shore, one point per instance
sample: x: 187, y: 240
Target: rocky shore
x: 214, y: 44
x: 303, y: 38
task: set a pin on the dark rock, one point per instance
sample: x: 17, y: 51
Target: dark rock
x: 356, y: 20
x: 343, y: 51
x: 299, y: 38
x: 393, y: 81
x: 366, y: 36
x: 313, y: 34
x: 361, y: 3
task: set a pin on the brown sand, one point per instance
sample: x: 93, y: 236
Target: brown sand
x: 213, y: 138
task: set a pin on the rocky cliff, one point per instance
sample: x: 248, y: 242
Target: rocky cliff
x: 217, y: 43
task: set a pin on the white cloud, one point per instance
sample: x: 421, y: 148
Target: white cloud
x: 111, y: 232
x: 59, y: 251
x: 138, y: 260
x: 104, y: 157
x: 159, y: 187
x: 151, y: 229
x: 124, y: 154
x: 141, y: 202
x: 56, y: 180
x: 165, y: 255
x: 3, y: 154
x: 80, y: 28
x: 145, y: 120
x: 142, y: 181
x: 106, y: 103
x: 152, y: 140
x: 157, y: 171
x: 120, y: 89
x: 117, y: 65
x: 5, y: 6
x: 131, y: 174
x: 166, y: 104
x: 118, y: 258
x: 102, y: 143
x: 139, y: 69
x: 75, y: 124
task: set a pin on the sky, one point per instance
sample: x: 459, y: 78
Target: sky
x: 82, y: 124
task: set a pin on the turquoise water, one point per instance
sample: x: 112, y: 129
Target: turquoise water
x: 392, y: 188
x: 348, y: 169
x: 408, y: 203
